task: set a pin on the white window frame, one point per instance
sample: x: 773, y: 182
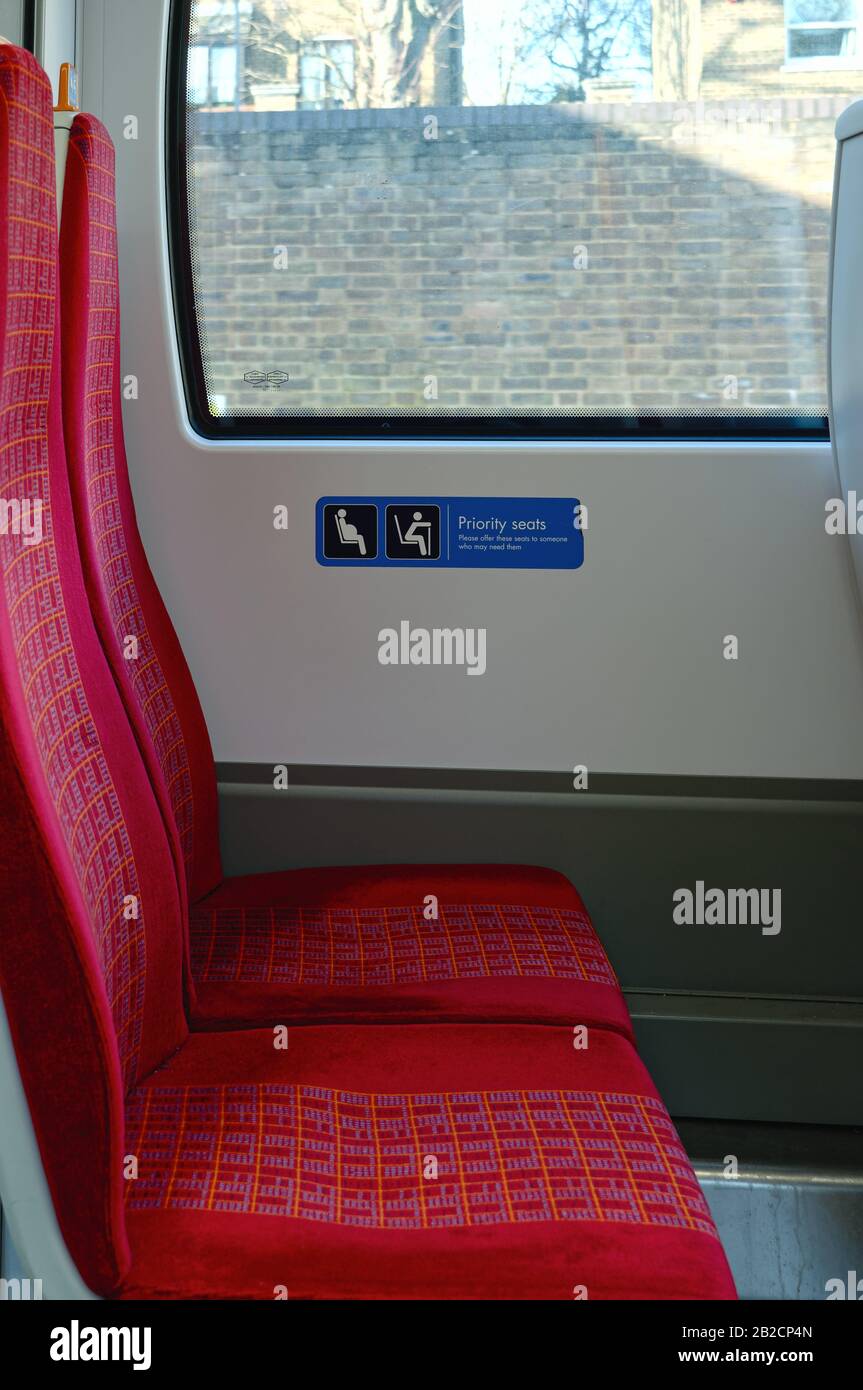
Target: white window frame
x: 815, y: 64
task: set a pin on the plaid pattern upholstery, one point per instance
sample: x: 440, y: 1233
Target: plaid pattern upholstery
x: 63, y: 731
x: 100, y: 468
x: 396, y: 945
x: 412, y: 1161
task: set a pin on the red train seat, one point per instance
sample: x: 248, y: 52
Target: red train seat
x: 428, y: 1160
x: 467, y: 1161
x: 509, y: 942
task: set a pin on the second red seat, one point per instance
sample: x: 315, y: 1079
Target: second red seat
x: 508, y: 943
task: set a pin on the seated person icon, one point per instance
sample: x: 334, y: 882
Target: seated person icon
x: 413, y: 535
x: 348, y: 533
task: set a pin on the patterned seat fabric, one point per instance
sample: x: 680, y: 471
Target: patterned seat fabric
x: 331, y: 945
x: 394, y: 945
x: 255, y: 959
x: 498, y: 1156
x: 134, y: 625
x: 456, y: 1186
x: 499, y: 961
x: 91, y: 945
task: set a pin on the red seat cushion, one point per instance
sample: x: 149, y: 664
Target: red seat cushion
x: 355, y: 943
x: 413, y: 1162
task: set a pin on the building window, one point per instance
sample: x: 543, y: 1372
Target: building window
x: 213, y: 74
x: 822, y: 33
x: 326, y: 74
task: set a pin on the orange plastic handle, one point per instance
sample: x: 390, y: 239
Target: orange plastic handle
x: 68, y: 97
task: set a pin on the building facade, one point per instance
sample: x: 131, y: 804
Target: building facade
x: 317, y: 55
x: 725, y: 50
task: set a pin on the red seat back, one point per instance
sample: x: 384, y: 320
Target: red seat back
x: 133, y: 623
x: 91, y: 938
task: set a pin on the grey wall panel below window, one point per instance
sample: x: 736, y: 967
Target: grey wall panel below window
x: 732, y: 1024
x: 626, y: 854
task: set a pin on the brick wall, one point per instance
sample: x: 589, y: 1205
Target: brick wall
x: 555, y: 259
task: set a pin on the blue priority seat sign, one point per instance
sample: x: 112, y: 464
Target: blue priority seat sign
x: 544, y: 533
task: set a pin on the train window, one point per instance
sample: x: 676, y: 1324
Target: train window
x: 447, y: 217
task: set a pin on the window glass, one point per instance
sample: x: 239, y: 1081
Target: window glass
x: 199, y: 75
x: 822, y: 29
x: 312, y: 76
x: 517, y: 211
x: 223, y: 74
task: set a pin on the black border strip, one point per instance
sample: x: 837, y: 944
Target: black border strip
x: 179, y: 230
x: 776, y: 1151
x: 28, y: 26
x: 488, y: 429
x: 494, y: 780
